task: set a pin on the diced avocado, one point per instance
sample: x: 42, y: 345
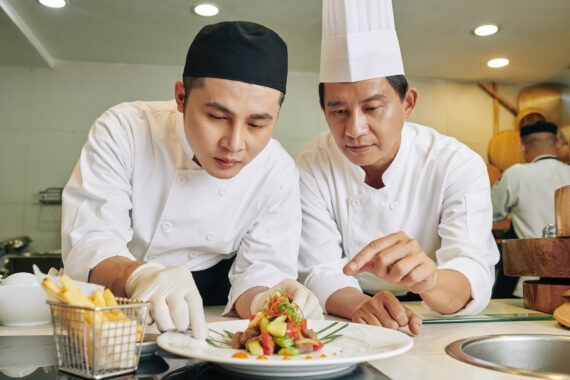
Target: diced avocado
x: 254, y: 347
x: 288, y: 351
x: 263, y: 322
x: 277, y: 328
x: 284, y: 341
x: 280, y: 318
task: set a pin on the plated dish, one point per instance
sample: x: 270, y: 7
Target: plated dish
x: 358, y: 343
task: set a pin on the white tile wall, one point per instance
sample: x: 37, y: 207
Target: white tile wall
x: 11, y: 220
x: 13, y: 174
x: 42, y: 223
x: 51, y: 157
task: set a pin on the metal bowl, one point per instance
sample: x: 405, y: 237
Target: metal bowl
x: 544, y: 356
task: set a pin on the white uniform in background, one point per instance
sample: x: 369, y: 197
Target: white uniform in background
x: 436, y: 191
x: 527, y: 192
x: 136, y: 192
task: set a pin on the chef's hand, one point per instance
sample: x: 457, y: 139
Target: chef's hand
x: 302, y: 296
x: 398, y: 259
x: 173, y: 295
x: 385, y: 310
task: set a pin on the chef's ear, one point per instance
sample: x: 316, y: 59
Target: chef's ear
x: 410, y: 101
x: 180, y: 96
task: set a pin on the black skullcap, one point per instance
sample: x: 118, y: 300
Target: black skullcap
x: 239, y: 50
x: 539, y: 126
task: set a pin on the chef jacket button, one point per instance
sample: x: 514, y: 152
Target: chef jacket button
x: 166, y: 226
x: 210, y: 236
x: 355, y: 202
x: 222, y: 191
x: 393, y: 206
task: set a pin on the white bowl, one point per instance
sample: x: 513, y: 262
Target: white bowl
x: 23, y: 301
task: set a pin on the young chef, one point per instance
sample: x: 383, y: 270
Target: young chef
x: 396, y: 204
x: 172, y: 202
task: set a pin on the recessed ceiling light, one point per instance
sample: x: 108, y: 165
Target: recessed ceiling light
x: 53, y: 3
x: 486, y: 30
x: 206, y: 9
x: 498, y: 62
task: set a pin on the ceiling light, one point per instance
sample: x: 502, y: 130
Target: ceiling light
x: 53, y: 3
x: 206, y: 9
x: 498, y: 62
x: 486, y: 30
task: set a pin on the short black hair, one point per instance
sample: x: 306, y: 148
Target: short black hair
x: 398, y: 83
x: 191, y: 82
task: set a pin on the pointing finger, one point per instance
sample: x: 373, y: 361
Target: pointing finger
x: 359, y: 262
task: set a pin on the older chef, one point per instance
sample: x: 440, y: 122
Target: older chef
x: 397, y: 204
x: 174, y: 201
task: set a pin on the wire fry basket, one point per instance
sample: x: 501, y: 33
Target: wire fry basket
x: 99, y: 342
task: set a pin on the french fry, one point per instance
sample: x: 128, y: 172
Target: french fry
x: 139, y: 332
x: 75, y: 299
x: 51, y: 286
x: 69, y: 285
x: 98, y: 299
x: 110, y: 299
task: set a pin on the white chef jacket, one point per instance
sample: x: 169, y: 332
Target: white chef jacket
x: 436, y: 191
x: 136, y: 192
x: 527, y: 192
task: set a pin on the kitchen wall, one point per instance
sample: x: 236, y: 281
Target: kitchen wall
x: 45, y: 115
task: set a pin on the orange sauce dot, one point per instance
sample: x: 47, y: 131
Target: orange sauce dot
x: 323, y: 356
x: 286, y: 358
x: 334, y: 353
x: 308, y: 357
x: 240, y: 355
x: 262, y: 357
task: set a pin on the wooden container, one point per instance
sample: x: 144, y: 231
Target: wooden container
x: 544, y: 296
x: 542, y: 257
x: 562, y: 211
x: 547, y: 258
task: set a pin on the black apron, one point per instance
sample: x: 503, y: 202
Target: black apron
x: 213, y: 283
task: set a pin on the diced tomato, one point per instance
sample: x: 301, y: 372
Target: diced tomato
x: 292, y: 330
x: 317, y: 347
x: 251, y: 317
x: 267, y: 343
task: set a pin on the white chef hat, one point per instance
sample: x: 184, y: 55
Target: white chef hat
x: 359, y: 41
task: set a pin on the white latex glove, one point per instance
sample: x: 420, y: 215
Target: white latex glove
x: 174, y: 298
x: 302, y: 296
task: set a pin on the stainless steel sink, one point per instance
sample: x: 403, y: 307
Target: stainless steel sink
x: 545, y: 356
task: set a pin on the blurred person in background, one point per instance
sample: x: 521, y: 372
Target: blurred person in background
x: 526, y: 191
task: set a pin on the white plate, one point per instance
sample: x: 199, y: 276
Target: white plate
x: 359, y: 343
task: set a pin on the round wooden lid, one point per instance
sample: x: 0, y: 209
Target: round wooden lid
x: 529, y: 116
x: 504, y: 150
